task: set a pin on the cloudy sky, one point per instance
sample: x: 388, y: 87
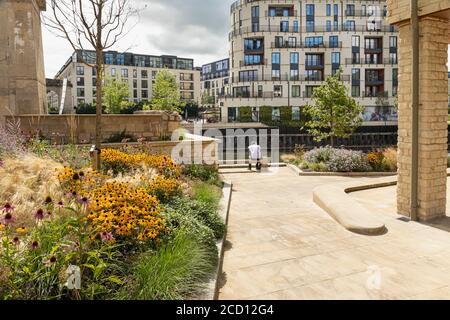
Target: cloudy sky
x: 195, y: 29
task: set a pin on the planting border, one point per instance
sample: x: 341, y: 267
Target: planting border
x: 225, y: 201
x: 300, y: 172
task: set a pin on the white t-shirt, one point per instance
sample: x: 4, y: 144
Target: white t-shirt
x: 255, y: 152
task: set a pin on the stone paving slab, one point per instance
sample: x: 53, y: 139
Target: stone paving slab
x: 282, y: 246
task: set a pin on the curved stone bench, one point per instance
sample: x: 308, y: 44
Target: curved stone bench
x: 334, y: 199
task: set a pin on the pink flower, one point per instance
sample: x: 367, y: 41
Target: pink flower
x: 8, y: 218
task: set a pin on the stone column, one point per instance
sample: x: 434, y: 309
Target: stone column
x: 22, y: 78
x: 433, y: 118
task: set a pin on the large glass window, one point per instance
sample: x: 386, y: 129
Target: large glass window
x: 80, y: 71
x: 295, y: 27
x: 294, y: 58
x: 393, y: 42
x: 310, y: 26
x: 336, y: 58
x: 355, y: 41
x: 310, y: 10
x: 284, y: 26
x: 328, y: 10
x: 124, y: 73
x: 350, y: 25
x: 276, y: 114
x: 328, y: 25
x: 312, y: 42
x: 144, y: 74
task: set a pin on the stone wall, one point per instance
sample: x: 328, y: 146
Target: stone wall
x: 400, y: 10
x: 22, y: 77
x: 81, y: 128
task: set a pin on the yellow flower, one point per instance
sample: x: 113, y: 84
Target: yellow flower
x: 2, y: 227
x: 22, y: 230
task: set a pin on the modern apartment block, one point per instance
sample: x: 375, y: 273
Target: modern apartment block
x: 215, y: 78
x: 280, y: 50
x: 138, y: 70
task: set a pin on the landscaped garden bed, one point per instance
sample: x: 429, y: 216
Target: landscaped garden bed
x: 332, y: 160
x: 141, y: 228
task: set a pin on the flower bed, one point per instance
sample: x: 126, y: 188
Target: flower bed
x: 143, y: 228
x: 327, y: 159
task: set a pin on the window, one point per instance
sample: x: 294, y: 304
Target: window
x: 350, y: 10
x: 328, y: 25
x: 277, y: 91
x: 350, y: 25
x: 80, y: 81
x: 250, y: 59
x: 94, y: 82
x: 334, y: 42
x: 296, y: 29
x: 356, y: 74
x: 336, y: 58
x: 144, y: 94
x: 80, y: 92
x: 296, y: 112
x: 356, y: 91
x: 135, y: 83
x: 309, y: 91
x: 328, y: 10
x: 295, y: 75
x: 94, y: 72
x: 144, y: 74
x: 124, y: 73
x: 313, y: 60
x: 275, y: 58
x: 134, y: 73
x: 336, y: 25
x: 314, y: 75
x: 310, y: 10
x: 393, y: 58
x: 276, y: 75
x: 144, y: 84
x: 113, y: 72
x: 313, y: 42
x: 336, y: 10
x: 294, y: 58
x: 393, y: 42
x: 394, y: 82
x: 276, y: 114
x: 80, y: 71
x: 154, y: 74
x: 363, y: 10
x: 121, y: 59
x: 355, y: 41
x: 255, y: 12
x: 135, y: 94
x: 80, y: 101
x: 284, y: 26
x: 295, y: 91
x: 292, y: 42
x: 309, y: 26
x: 109, y: 58
x: 250, y: 75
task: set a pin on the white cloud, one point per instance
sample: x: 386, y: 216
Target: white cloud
x: 196, y: 29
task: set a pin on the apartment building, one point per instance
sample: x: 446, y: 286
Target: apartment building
x: 280, y: 50
x: 215, y: 77
x: 138, y: 70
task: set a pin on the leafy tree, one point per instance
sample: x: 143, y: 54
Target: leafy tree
x: 115, y: 95
x: 166, y: 95
x: 334, y: 114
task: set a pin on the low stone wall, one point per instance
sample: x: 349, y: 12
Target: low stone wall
x: 193, y: 149
x: 81, y: 128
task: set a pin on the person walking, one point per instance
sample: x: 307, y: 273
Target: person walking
x: 255, y: 155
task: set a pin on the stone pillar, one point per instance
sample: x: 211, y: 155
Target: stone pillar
x: 22, y: 77
x: 433, y: 117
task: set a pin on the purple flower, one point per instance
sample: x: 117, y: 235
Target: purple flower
x: 8, y: 218
x: 8, y: 208
x: 85, y: 201
x: 107, y: 236
x: 39, y: 215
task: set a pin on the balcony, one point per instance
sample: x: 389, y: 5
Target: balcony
x: 283, y: 77
x: 302, y: 45
x: 373, y: 50
x: 252, y: 95
x: 375, y: 81
x: 281, y: 12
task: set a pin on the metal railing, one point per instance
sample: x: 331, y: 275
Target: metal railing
x: 284, y: 77
x: 385, y: 61
x: 303, y: 45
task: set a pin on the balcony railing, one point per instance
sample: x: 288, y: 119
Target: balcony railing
x: 304, y: 29
x: 284, y: 77
x: 303, y: 45
x: 280, y: 13
x: 386, y: 61
x: 247, y: 64
x: 375, y: 81
x: 365, y: 13
x: 381, y: 94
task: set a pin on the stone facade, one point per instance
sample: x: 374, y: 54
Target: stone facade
x: 433, y: 111
x: 22, y: 77
x: 81, y: 128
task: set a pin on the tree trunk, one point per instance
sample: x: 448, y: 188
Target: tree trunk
x: 99, y: 84
x: 332, y: 141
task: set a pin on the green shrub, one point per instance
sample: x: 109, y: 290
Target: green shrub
x: 121, y: 137
x: 207, y: 193
x: 286, y: 113
x: 174, y: 272
x: 201, y: 211
x: 245, y: 114
x: 206, y: 173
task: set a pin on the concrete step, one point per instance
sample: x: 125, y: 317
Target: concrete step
x: 245, y: 165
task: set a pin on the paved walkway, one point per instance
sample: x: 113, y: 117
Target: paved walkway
x: 282, y: 246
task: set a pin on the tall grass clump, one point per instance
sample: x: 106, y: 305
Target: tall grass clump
x: 12, y: 142
x: 207, y: 193
x: 174, y: 272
